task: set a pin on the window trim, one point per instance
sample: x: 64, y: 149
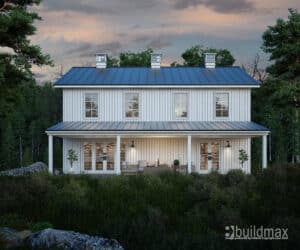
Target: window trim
x: 124, y: 106
x: 187, y: 105
x: 215, y: 105
x: 84, y: 107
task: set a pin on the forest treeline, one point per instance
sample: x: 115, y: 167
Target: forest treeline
x: 27, y: 109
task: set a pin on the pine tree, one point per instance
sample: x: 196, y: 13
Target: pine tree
x: 8, y: 148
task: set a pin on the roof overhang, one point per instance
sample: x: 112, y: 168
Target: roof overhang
x: 158, y: 128
x: 200, y: 134
x: 157, y: 86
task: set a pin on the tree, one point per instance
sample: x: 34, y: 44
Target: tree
x: 140, y: 59
x: 7, y: 154
x: 256, y: 70
x: 282, y: 42
x: 243, y: 157
x: 16, y: 24
x: 112, y: 61
x: 194, y: 56
x: 72, y: 157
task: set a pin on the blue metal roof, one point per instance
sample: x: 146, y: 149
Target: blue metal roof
x: 158, y: 126
x: 163, y: 76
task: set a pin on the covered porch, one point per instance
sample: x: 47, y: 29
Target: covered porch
x: 125, y: 151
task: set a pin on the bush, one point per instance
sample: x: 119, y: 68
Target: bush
x: 40, y: 226
x: 235, y: 177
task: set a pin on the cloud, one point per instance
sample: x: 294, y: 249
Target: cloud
x: 76, y: 6
x: 153, y: 43
x: 89, y: 49
x: 221, y: 6
x: 158, y: 44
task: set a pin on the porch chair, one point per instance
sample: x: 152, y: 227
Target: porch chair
x: 142, y: 165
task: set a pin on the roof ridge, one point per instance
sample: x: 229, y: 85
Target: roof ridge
x: 149, y: 67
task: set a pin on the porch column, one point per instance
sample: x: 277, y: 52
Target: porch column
x: 118, y: 154
x: 264, y: 151
x: 50, y: 154
x: 189, y: 154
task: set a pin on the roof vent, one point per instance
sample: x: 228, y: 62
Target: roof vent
x: 101, y: 61
x: 156, y: 60
x: 210, y: 60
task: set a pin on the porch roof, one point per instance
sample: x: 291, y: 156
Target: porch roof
x: 161, y: 126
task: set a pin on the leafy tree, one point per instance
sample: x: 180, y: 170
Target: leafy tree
x: 112, y: 61
x: 140, y: 59
x: 72, y: 157
x: 243, y: 157
x: 195, y: 56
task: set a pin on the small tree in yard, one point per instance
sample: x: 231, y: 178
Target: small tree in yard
x: 243, y: 157
x: 72, y: 157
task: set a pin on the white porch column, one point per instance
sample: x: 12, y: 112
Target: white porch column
x: 264, y: 151
x: 50, y: 154
x: 189, y: 154
x: 118, y: 155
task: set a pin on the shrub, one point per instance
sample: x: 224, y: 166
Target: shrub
x: 235, y: 177
x: 169, y: 211
x: 40, y: 226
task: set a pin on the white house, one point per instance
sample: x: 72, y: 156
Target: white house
x: 119, y: 118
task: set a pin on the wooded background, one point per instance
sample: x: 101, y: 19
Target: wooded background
x: 28, y: 109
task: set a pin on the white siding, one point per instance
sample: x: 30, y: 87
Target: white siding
x: 157, y: 104
x: 166, y: 149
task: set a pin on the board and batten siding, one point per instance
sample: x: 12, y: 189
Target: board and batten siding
x: 157, y: 104
x: 166, y: 150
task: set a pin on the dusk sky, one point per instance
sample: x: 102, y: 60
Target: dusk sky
x: 72, y: 31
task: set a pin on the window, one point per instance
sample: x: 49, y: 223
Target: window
x: 132, y: 105
x: 222, y: 104
x: 91, y: 105
x: 181, y: 105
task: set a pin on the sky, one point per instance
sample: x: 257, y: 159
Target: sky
x: 72, y: 31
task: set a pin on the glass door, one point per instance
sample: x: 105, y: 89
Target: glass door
x: 209, y: 157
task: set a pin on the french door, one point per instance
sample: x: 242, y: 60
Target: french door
x: 209, y: 157
x: 100, y: 156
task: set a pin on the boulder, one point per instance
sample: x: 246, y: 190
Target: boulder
x: 33, y: 168
x: 69, y: 240
x: 9, y: 238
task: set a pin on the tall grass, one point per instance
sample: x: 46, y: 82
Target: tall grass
x: 169, y: 211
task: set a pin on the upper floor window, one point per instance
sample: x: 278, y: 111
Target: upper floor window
x: 132, y: 105
x: 181, y: 105
x: 222, y: 105
x: 91, y: 105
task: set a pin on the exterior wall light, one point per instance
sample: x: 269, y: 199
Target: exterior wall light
x: 228, y: 144
x: 132, y: 144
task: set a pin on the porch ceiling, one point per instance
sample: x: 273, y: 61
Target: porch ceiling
x: 214, y: 129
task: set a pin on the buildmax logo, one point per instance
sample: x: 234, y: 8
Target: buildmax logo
x: 234, y: 232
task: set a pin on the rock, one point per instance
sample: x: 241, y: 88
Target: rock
x: 24, y: 234
x: 69, y: 240
x: 33, y: 168
x: 9, y: 238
